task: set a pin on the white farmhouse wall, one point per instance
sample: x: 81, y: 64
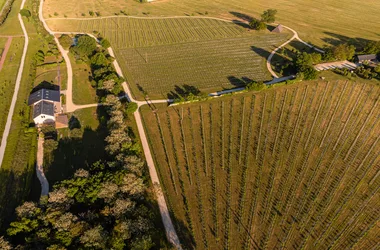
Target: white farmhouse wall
x: 41, y: 119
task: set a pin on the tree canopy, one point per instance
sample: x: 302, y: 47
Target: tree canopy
x: 269, y: 16
x: 85, y: 46
x: 25, y: 13
x: 257, y: 24
x: 66, y: 41
x: 343, y: 52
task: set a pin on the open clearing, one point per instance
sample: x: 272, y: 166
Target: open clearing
x: 319, y: 22
x: 158, y: 55
x: 291, y: 167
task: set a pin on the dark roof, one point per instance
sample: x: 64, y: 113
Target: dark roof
x: 43, y: 108
x: 278, y: 29
x: 44, y: 94
x: 366, y: 57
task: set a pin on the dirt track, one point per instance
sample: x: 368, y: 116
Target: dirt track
x: 5, y: 52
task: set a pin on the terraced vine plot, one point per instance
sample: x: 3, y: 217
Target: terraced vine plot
x: 207, y: 65
x: 130, y: 32
x: 290, y: 168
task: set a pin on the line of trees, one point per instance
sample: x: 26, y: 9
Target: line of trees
x: 102, y: 207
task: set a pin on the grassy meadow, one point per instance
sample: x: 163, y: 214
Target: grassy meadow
x: 293, y: 167
x: 319, y: 22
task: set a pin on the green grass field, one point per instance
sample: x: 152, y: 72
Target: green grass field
x: 8, y: 79
x: 49, y: 73
x: 83, y: 92
x: 320, y: 22
x: 292, y: 167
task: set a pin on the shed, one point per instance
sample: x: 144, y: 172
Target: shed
x: 364, y: 58
x: 278, y: 29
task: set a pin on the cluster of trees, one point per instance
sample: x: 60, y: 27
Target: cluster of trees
x: 340, y: 52
x: 104, y: 77
x: 268, y: 16
x: 104, y: 206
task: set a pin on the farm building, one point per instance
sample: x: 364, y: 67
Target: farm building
x: 46, y: 103
x: 278, y: 29
x: 366, y: 58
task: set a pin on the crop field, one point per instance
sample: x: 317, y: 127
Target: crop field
x: 319, y: 22
x: 158, y: 55
x: 293, y: 167
x: 131, y: 32
x: 207, y: 65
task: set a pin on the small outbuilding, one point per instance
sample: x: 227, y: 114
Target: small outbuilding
x: 366, y: 58
x: 278, y: 29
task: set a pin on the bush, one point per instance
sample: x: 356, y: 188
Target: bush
x: 66, y: 41
x: 256, y: 86
x: 105, y: 43
x: 310, y: 73
x: 131, y: 108
x: 25, y: 13
x: 257, y: 24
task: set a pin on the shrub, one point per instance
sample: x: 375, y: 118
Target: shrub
x: 256, y: 86
x: 105, y: 43
x: 257, y: 24
x: 131, y: 108
x: 66, y: 41
x: 25, y: 13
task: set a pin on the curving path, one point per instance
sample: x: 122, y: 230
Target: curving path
x: 295, y: 36
x: 17, y: 87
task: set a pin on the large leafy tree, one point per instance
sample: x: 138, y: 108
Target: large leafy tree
x: 85, y: 46
x: 269, y: 16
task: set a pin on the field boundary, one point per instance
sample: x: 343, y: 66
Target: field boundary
x: 17, y: 87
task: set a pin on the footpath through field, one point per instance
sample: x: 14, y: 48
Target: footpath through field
x: 5, y: 52
x: 17, y: 87
x: 40, y: 168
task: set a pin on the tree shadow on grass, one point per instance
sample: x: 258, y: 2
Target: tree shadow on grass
x: 78, y: 150
x: 14, y: 189
x: 183, y: 91
x: 242, y: 16
x: 335, y: 39
x: 45, y: 85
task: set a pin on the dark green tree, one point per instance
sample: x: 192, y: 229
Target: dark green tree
x: 85, y: 46
x: 257, y: 24
x: 269, y: 16
x: 25, y: 13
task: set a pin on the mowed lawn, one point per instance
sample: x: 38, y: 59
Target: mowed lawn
x: 316, y: 21
x: 293, y: 167
x: 207, y: 65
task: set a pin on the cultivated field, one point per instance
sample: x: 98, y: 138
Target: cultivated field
x: 207, y: 65
x: 130, y: 32
x: 320, y: 22
x: 158, y: 55
x: 294, y: 167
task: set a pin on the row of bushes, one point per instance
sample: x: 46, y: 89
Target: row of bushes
x: 5, y: 11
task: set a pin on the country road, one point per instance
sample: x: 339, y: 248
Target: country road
x: 8, y: 124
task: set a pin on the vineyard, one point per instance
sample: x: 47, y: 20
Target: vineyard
x: 293, y: 167
x: 156, y: 55
x: 207, y: 65
x: 130, y: 32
